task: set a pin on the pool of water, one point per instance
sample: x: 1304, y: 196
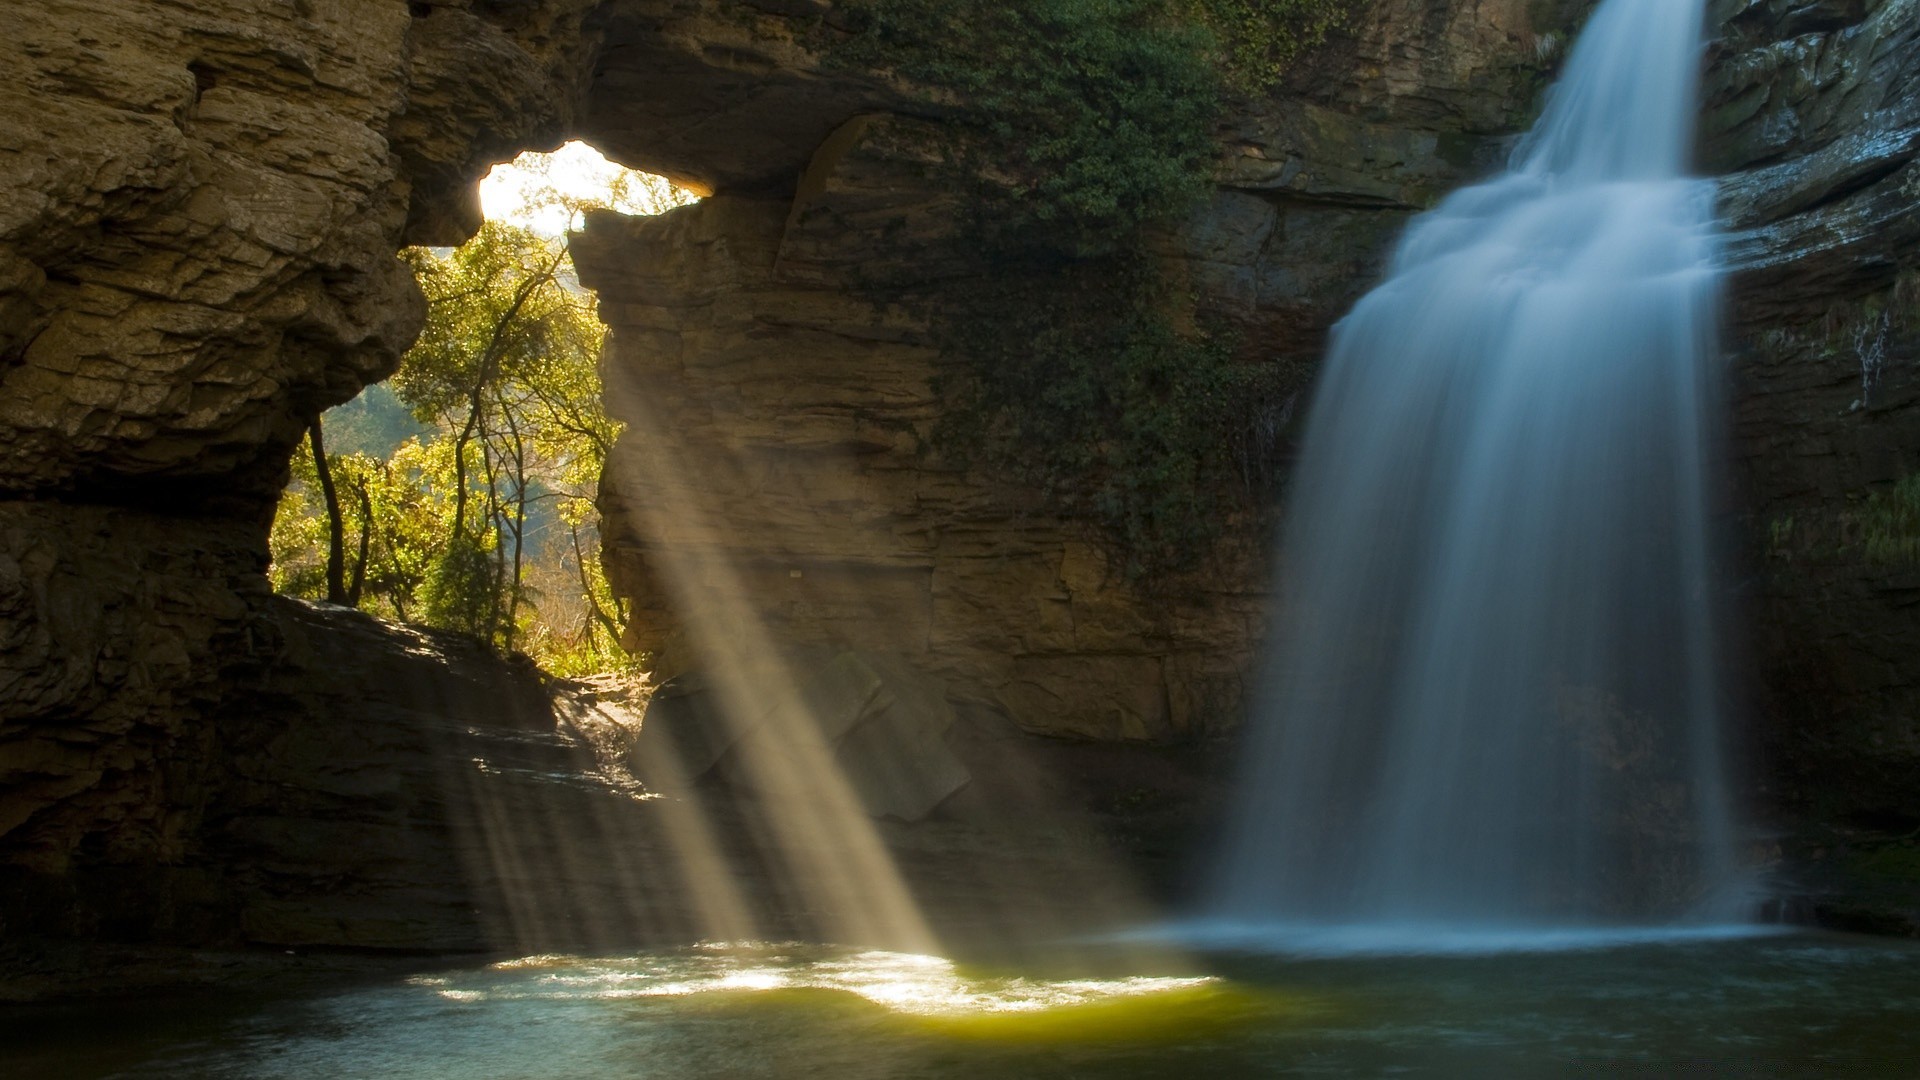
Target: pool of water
x: 1783, y: 1006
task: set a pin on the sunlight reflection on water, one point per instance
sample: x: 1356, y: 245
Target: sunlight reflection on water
x: 902, y: 982
x: 1793, y: 1005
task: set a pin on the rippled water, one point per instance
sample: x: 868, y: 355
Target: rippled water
x: 1784, y: 1006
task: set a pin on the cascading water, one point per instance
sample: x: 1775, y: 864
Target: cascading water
x: 1494, y: 693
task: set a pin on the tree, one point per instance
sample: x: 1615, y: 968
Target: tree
x: 484, y: 520
x: 506, y: 364
x: 397, y: 511
x: 336, y: 532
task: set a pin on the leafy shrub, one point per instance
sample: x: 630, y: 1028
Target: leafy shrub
x: 1084, y: 125
x: 461, y: 592
x: 1091, y: 117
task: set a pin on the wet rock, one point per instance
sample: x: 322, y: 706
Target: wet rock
x: 329, y: 780
x: 684, y: 734
x: 1813, y: 115
x: 199, y: 205
x: 1814, y: 119
x: 116, y: 634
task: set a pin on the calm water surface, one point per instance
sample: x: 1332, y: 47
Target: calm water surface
x: 1790, y: 1006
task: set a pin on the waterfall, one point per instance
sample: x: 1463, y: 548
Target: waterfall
x: 1492, y: 699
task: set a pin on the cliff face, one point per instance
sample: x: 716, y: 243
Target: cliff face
x: 772, y: 359
x: 1814, y: 119
x: 760, y: 388
x: 199, y: 205
x: 199, y: 210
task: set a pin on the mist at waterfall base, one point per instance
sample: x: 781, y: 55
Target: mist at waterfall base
x: 1492, y: 713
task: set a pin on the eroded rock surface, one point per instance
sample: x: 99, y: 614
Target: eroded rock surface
x: 347, y: 784
x: 1814, y: 118
x: 200, y: 202
x: 776, y: 447
x: 200, y: 206
x: 885, y: 727
x: 772, y: 359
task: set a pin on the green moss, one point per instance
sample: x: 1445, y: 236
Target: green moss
x: 1890, y: 524
x: 1897, y: 862
x: 1258, y: 40
x: 1081, y: 126
x: 1082, y: 385
x: 1087, y: 118
x: 1780, y: 538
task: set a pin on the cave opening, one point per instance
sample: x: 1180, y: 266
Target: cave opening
x: 464, y: 493
x: 458, y: 492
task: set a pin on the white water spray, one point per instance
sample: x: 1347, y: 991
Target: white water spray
x: 1494, y: 694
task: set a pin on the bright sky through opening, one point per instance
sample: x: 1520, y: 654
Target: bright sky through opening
x: 543, y: 192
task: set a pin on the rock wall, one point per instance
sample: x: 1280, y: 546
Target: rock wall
x: 781, y: 420
x: 200, y: 206
x: 342, y: 784
x: 1814, y: 120
x: 778, y: 447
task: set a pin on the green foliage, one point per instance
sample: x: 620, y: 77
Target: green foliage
x: 398, y: 505
x: 460, y: 592
x: 1890, y: 524
x: 1081, y: 384
x: 484, y: 522
x: 1897, y: 861
x: 1091, y: 117
x: 505, y: 368
x: 1091, y: 124
x: 494, y: 305
x: 298, y: 541
x: 375, y: 424
x: 406, y: 497
x: 1258, y: 40
x: 1880, y: 527
x: 1780, y: 539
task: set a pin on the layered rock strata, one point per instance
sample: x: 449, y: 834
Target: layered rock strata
x: 200, y: 206
x: 347, y: 784
x: 1814, y: 120
x: 199, y: 210
x: 772, y: 360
